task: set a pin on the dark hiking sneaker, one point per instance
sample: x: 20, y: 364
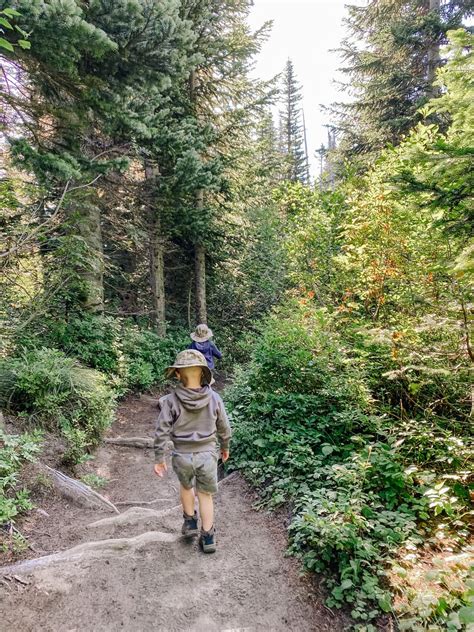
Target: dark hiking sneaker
x: 190, y: 525
x: 207, y: 541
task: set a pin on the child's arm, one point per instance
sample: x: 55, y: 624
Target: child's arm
x: 164, y: 424
x: 215, y: 351
x: 224, y: 431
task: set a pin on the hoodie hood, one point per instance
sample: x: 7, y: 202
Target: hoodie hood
x: 193, y: 399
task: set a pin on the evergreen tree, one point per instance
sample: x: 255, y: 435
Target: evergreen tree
x: 291, y: 127
x: 391, y: 53
x: 222, y: 102
x: 84, y: 82
x: 269, y: 158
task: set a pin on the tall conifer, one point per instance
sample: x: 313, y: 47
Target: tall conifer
x: 291, y: 127
x: 390, y: 54
x: 96, y: 75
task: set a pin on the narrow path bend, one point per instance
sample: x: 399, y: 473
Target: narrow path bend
x: 134, y: 572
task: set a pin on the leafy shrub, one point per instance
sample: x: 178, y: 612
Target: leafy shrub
x: 14, y: 451
x: 439, y: 597
x: 362, y: 486
x: 418, y: 365
x: 147, y: 355
x: 133, y: 357
x: 298, y: 352
x: 93, y: 480
x: 57, y: 393
x: 94, y: 340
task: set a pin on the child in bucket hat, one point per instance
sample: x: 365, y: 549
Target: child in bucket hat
x: 201, y: 341
x: 194, y: 418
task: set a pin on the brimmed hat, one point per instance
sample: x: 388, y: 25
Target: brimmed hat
x: 201, y: 333
x: 190, y: 357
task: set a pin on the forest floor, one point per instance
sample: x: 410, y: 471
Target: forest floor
x: 133, y: 571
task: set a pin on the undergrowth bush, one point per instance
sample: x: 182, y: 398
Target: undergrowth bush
x: 65, y: 375
x: 57, y: 393
x: 15, y: 450
x: 133, y: 358
x: 417, y: 365
x: 312, y: 428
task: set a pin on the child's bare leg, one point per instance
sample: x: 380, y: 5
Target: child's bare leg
x: 206, y: 509
x: 187, y: 500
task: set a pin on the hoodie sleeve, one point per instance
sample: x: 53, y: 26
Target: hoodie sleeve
x: 223, y: 427
x: 215, y: 351
x: 164, y: 423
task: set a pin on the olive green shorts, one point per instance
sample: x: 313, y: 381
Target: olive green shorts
x: 196, y: 469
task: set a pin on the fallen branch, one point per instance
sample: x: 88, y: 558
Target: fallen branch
x: 77, y: 491
x: 131, y: 442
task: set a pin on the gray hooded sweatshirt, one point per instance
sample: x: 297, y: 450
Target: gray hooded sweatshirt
x: 194, y: 419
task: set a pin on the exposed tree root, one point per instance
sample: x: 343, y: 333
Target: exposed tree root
x: 144, y: 502
x: 89, y: 551
x: 132, y: 516
x: 228, y: 479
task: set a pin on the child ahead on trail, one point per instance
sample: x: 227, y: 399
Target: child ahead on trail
x: 201, y: 337
x: 194, y: 418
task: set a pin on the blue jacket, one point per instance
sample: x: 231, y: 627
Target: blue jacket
x: 208, y: 350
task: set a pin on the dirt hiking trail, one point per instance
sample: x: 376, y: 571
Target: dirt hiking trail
x: 133, y: 571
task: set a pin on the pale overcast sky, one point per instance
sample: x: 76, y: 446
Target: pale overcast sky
x: 304, y: 31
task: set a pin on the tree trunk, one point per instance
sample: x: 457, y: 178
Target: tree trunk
x: 156, y: 257
x: 157, y: 277
x: 199, y: 250
x: 200, y: 278
x: 200, y: 271
x: 86, y: 215
x: 433, y: 52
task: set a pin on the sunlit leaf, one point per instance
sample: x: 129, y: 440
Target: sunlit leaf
x: 6, y: 44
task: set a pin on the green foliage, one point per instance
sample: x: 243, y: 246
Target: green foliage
x: 291, y: 128
x: 57, y: 393
x: 353, y: 407
x: 299, y: 353
x: 133, y: 357
x: 147, y: 355
x: 15, y: 543
x: 93, y: 480
x: 389, y: 58
x: 363, y: 486
x: 15, y: 450
x: 407, y: 223
x: 442, y: 168
x: 6, y: 18
x: 440, y: 598
x: 414, y: 364
x: 301, y: 413
x: 313, y: 238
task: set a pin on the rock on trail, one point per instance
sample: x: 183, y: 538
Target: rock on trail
x: 134, y: 571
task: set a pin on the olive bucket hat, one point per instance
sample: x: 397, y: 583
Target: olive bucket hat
x: 190, y: 357
x: 201, y: 333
